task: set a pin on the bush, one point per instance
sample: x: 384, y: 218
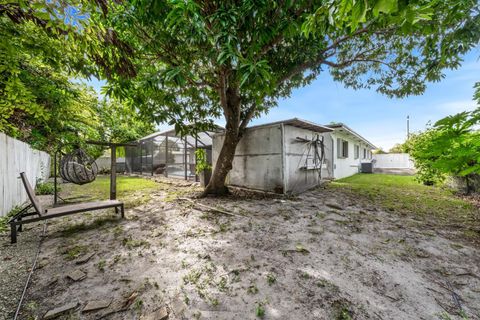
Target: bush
x: 4, y: 220
x: 201, y: 161
x: 44, y: 188
x: 449, y: 148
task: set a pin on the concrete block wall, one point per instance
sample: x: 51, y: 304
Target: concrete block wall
x: 258, y: 159
x: 269, y: 160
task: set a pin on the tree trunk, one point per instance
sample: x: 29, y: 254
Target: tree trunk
x: 233, y: 132
x: 223, y: 165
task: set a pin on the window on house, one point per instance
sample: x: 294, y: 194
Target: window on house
x: 357, y: 151
x: 364, y: 153
x: 342, y: 148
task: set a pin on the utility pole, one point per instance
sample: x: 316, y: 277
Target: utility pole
x: 408, y: 127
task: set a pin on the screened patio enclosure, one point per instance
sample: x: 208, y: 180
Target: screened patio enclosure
x: 167, y: 153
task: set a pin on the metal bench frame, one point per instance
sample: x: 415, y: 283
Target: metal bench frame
x: 44, y: 214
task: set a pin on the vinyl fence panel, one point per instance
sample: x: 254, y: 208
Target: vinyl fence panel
x: 15, y: 157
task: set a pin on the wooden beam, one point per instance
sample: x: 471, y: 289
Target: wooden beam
x: 110, y: 144
x: 113, y: 173
x: 185, y: 157
x: 166, y: 154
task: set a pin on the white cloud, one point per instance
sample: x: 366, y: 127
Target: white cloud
x: 453, y: 107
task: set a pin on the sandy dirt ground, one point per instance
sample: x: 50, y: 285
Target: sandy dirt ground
x: 321, y: 255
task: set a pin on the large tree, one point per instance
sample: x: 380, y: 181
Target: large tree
x: 197, y: 60
x: 41, y: 54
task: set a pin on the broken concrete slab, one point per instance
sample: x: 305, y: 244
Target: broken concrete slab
x: 84, y: 258
x: 159, y: 314
x: 76, y: 275
x: 97, y: 305
x: 54, y: 313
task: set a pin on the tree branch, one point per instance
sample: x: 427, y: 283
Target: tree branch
x: 323, y: 56
x: 248, y: 116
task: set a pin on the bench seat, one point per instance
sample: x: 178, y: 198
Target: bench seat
x: 44, y: 214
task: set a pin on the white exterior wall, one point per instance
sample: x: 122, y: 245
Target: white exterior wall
x: 16, y: 157
x: 345, y: 167
x: 393, y: 161
x: 258, y: 159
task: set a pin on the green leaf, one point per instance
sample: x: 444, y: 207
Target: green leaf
x: 385, y: 6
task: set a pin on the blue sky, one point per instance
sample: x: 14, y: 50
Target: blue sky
x: 379, y: 119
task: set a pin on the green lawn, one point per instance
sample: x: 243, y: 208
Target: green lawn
x: 132, y: 190
x: 403, y: 194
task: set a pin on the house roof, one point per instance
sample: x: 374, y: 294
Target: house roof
x: 341, y: 127
x: 296, y: 122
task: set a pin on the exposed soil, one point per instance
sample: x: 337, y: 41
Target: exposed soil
x: 322, y: 255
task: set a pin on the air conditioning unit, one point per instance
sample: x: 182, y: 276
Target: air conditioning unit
x: 367, y: 167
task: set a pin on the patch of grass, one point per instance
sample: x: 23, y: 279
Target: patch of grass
x: 173, y: 194
x: 330, y: 286
x: 101, y: 265
x: 192, y: 277
x: 252, y: 289
x: 131, y: 243
x: 402, y: 194
x: 214, y: 302
x: 260, y: 311
x: 320, y: 215
x: 116, y: 259
x: 117, y: 231
x: 134, y: 191
x: 271, y: 279
x: 202, y: 278
x: 222, y: 284
x: 4, y: 226
x: 344, y: 314
x: 85, y: 226
x: 223, y: 227
x: 74, y: 252
x: 341, y: 310
x: 138, y: 305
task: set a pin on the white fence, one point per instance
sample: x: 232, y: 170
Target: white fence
x: 16, y: 157
x: 393, y: 161
x: 104, y: 164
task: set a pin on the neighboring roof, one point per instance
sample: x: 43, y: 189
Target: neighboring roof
x: 344, y: 128
x: 296, y: 122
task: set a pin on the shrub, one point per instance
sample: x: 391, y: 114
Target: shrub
x: 44, y: 188
x: 449, y: 148
x: 201, y: 161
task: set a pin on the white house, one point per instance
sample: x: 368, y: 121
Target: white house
x: 294, y: 155
x: 349, y: 150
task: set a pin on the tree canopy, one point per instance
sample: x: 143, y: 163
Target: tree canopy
x: 198, y: 60
x: 41, y: 102
x: 185, y: 61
